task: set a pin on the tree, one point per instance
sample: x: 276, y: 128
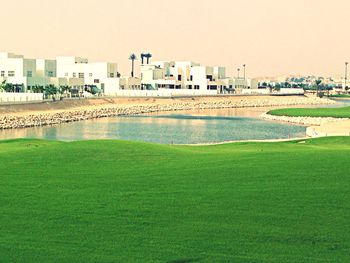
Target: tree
x: 142, y: 58
x: 278, y: 86
x: 9, y: 87
x: 2, y: 85
x: 132, y: 58
x: 38, y: 89
x: 287, y: 84
x: 51, y: 90
x: 64, y: 89
x: 318, y: 82
x: 148, y: 56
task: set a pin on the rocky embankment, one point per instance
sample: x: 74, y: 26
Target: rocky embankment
x: 9, y: 121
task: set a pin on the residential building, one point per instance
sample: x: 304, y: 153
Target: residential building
x: 130, y: 83
x: 24, y: 73
x: 185, y: 75
x: 79, y: 73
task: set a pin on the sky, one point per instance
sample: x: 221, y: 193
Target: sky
x: 272, y: 37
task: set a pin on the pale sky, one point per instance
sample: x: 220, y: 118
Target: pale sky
x: 273, y: 37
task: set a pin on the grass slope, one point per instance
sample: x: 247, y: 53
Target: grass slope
x: 318, y: 112
x: 114, y: 201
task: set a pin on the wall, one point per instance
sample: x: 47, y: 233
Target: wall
x: 255, y: 91
x: 163, y: 93
x: 111, y: 86
x: 292, y: 91
x: 7, y: 97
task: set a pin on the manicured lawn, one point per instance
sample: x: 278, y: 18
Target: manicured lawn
x: 318, y: 112
x: 113, y: 201
x: 339, y: 96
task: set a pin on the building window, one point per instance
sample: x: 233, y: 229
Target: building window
x: 191, y: 78
x: 50, y: 73
x: 74, y: 75
x: 29, y: 74
x: 179, y: 77
x: 2, y: 73
x: 11, y: 73
x: 210, y: 77
x: 90, y: 74
x: 111, y: 75
x: 81, y: 75
x: 96, y: 81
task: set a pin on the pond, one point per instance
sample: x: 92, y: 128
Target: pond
x: 184, y: 127
x: 165, y: 129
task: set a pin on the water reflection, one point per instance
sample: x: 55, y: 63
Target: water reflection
x: 192, y: 126
x: 170, y: 128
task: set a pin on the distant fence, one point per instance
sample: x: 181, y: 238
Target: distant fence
x: 164, y: 93
x: 9, y: 97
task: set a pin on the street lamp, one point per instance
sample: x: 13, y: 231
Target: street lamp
x: 238, y: 70
x: 346, y: 74
x: 244, y: 70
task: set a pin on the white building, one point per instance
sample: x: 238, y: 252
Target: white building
x: 166, y: 77
x: 192, y: 76
x: 129, y: 83
x: 79, y: 73
x: 185, y: 75
x: 74, y: 72
x: 25, y: 73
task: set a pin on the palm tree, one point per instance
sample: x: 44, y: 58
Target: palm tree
x: 132, y: 58
x: 148, y: 56
x: 2, y: 85
x: 318, y: 82
x: 142, y: 58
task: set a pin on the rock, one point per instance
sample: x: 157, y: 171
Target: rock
x: 42, y: 119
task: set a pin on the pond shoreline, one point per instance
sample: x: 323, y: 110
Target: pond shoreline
x: 316, y: 126
x: 25, y: 119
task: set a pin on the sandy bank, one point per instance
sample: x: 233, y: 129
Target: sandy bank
x: 318, y: 126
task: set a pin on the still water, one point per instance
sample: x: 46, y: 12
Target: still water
x: 164, y: 129
x: 184, y: 127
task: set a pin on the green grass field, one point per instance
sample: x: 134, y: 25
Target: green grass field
x: 339, y: 96
x: 113, y: 201
x: 313, y: 112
